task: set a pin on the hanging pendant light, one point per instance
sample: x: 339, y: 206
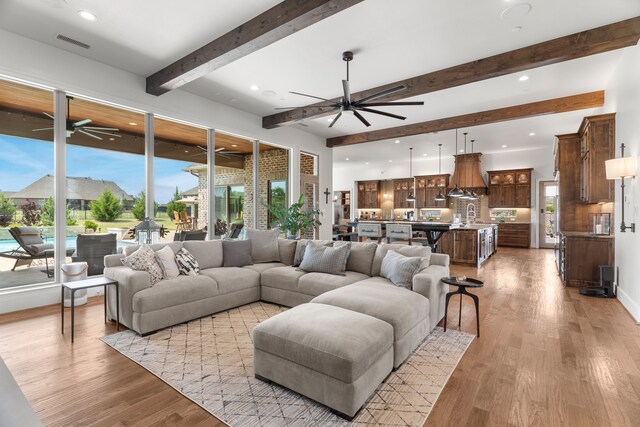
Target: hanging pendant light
x: 456, y: 191
x: 474, y: 195
x: 411, y: 197
x: 440, y: 197
x: 465, y: 193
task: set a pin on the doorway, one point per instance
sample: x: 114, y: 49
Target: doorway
x: 548, y: 230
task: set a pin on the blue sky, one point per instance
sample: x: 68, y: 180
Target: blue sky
x: 24, y: 161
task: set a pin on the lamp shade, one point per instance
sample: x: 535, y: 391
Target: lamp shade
x: 623, y: 167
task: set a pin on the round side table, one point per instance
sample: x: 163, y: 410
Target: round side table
x: 462, y: 290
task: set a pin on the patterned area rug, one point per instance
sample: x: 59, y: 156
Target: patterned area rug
x: 210, y: 361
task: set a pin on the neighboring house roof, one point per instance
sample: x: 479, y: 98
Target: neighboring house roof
x: 190, y: 192
x: 78, y: 188
x: 8, y: 194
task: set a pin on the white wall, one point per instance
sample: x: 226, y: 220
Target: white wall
x: 623, y: 96
x: 540, y: 159
x: 36, y: 62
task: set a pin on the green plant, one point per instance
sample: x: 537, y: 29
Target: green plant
x: 14, y: 225
x: 90, y: 225
x: 107, y: 207
x: 30, y: 213
x: 138, y: 209
x: 296, y: 219
x: 47, y: 213
x: 7, y: 210
x: 174, y: 206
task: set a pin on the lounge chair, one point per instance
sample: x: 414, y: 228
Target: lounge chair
x: 235, y: 231
x: 181, y: 236
x: 31, y: 247
x: 92, y: 248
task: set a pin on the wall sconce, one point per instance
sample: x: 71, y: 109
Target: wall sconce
x: 621, y: 168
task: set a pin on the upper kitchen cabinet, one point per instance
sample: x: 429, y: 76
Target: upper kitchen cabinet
x: 510, y: 188
x: 597, y: 144
x: 401, y: 190
x: 368, y: 194
x: 427, y: 188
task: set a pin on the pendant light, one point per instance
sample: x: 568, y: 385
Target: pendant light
x: 474, y: 195
x: 465, y: 193
x: 455, y: 191
x: 411, y: 197
x: 440, y: 197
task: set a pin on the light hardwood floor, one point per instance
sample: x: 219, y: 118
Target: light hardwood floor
x: 547, y: 356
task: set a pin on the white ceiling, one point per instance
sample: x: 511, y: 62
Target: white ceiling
x: 392, y: 40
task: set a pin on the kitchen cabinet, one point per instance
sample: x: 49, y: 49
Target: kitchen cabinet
x: 468, y: 246
x: 401, y: 190
x: 597, y: 145
x: 517, y: 235
x: 427, y: 187
x: 581, y: 254
x: 510, y: 188
x: 368, y: 194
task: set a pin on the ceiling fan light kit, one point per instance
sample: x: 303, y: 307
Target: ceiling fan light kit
x: 346, y: 104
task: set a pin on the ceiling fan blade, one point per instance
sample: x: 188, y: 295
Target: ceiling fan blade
x: 380, y: 94
x: 82, y: 122
x: 89, y: 134
x: 99, y: 128
x: 37, y: 130
x: 48, y: 115
x: 318, y: 106
x: 217, y: 149
x: 362, y: 119
x: 382, y: 113
x: 346, y: 90
x: 316, y: 97
x: 100, y: 132
x: 389, y: 104
x: 335, y: 119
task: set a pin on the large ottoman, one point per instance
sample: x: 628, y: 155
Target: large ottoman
x: 332, y: 355
x: 405, y: 310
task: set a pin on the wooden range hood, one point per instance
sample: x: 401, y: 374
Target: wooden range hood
x: 468, y: 173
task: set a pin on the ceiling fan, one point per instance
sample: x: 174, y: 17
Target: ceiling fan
x: 347, y: 104
x: 223, y: 152
x: 80, y: 126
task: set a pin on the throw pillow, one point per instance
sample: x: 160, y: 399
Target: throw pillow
x: 167, y: 260
x: 302, y: 244
x: 264, y: 245
x: 360, y: 256
x: 236, y: 253
x: 144, y: 259
x: 323, y: 259
x: 400, y: 269
x: 187, y: 264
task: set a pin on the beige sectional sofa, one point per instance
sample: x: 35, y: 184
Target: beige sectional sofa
x: 146, y: 309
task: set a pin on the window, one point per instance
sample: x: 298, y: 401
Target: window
x: 273, y: 173
x: 277, y: 198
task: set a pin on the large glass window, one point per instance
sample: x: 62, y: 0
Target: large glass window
x: 26, y: 185
x: 273, y: 176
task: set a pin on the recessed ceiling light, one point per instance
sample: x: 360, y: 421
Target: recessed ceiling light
x: 397, y: 141
x: 532, y: 134
x: 462, y: 151
x: 516, y: 29
x: 87, y: 15
x: 366, y: 163
x: 234, y: 145
x: 523, y: 78
x: 112, y: 139
x: 254, y: 87
x: 330, y: 120
x: 346, y: 158
x: 425, y: 154
x: 133, y: 124
x: 186, y: 151
x: 504, y: 146
x: 390, y: 161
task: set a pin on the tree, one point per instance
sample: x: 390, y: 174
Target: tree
x: 107, y: 207
x: 7, y: 210
x: 138, y: 208
x: 47, y: 213
x: 173, y: 206
x: 30, y: 213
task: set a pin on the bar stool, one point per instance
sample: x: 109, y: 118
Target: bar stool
x: 371, y: 231
x: 397, y: 232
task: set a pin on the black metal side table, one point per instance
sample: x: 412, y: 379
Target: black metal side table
x: 86, y: 284
x: 462, y: 290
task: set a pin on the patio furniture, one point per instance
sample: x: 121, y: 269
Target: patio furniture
x: 182, y: 236
x: 186, y: 220
x: 31, y: 247
x: 92, y: 248
x: 235, y: 231
x: 179, y: 222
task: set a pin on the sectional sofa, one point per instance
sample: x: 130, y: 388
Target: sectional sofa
x: 146, y: 309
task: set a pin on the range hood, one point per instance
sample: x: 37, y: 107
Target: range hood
x: 468, y: 173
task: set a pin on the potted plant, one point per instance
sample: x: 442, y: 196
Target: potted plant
x: 295, y: 220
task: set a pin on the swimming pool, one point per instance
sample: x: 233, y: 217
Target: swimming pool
x: 10, y: 244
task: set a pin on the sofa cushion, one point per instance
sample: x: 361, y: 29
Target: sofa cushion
x: 208, y: 253
x: 282, y: 278
x: 302, y: 244
x: 236, y: 253
x: 167, y: 260
x: 175, y: 246
x: 264, y: 245
x: 187, y: 264
x: 172, y: 292
x: 318, y: 283
x: 400, y: 269
x: 287, y: 250
x: 144, y: 259
x: 260, y: 268
x: 360, y: 256
x: 323, y: 259
x: 340, y: 343
x: 232, y: 279
x: 414, y: 251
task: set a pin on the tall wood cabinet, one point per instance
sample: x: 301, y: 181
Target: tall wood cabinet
x: 597, y: 144
x: 368, y: 194
x: 427, y: 188
x: 510, y: 188
x: 581, y: 256
x: 401, y: 190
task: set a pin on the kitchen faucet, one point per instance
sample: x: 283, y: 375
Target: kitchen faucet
x: 471, y: 213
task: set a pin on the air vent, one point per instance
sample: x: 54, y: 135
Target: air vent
x: 72, y: 41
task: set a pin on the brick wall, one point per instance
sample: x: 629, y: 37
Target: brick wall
x: 307, y: 163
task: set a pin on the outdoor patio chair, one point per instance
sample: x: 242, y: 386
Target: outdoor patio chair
x: 235, y: 231
x: 185, y: 220
x: 31, y: 247
x: 181, y: 236
x: 92, y: 248
x: 179, y: 223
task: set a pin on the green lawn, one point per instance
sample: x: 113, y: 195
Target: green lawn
x: 126, y: 220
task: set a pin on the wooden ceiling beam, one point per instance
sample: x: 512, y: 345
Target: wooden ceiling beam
x: 275, y: 24
x: 550, y: 106
x: 598, y: 40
